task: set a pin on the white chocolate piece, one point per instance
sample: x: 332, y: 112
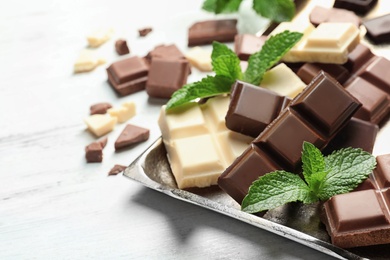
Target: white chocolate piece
x: 199, y: 145
x: 328, y: 43
x: 283, y: 81
x: 100, y: 124
x: 200, y: 58
x: 87, y: 61
x: 123, y: 113
x: 99, y: 37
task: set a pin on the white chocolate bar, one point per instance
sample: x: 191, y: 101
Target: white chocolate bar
x: 124, y: 112
x: 199, y: 145
x: 99, y: 37
x: 200, y: 58
x: 87, y: 61
x: 283, y: 81
x: 328, y: 43
x: 100, y: 124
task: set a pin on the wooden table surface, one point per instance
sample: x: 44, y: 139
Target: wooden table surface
x: 54, y: 205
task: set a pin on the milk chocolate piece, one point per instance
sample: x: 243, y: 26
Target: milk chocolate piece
x: 144, y: 31
x: 358, y: 57
x: 252, y: 108
x: 358, y: 6
x: 121, y: 47
x: 378, y: 29
x: 165, y: 51
x: 99, y: 108
x: 117, y: 169
x: 247, y: 44
x: 320, y: 15
x: 377, y: 73
x: 166, y: 76
x: 205, y: 32
x: 128, y: 76
x: 94, y: 151
x: 131, y: 135
x: 309, y: 117
x: 309, y: 70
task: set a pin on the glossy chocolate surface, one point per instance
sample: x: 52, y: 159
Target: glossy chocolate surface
x: 308, y: 71
x: 205, y: 32
x: 378, y: 29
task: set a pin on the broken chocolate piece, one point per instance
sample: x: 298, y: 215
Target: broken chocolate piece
x: 94, y: 151
x: 320, y: 15
x: 378, y: 29
x: 144, y: 31
x: 131, y: 135
x: 117, y: 169
x: 121, y: 47
x: 205, y: 32
x: 358, y: 6
x: 100, y: 108
x: 165, y: 51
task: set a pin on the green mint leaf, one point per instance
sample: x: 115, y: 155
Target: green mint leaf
x: 312, y: 161
x: 220, y: 49
x: 276, y: 10
x: 221, y: 6
x: 276, y: 189
x: 346, y: 168
x: 271, y: 52
x: 207, y: 87
x: 225, y: 62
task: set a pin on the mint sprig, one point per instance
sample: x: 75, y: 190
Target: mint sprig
x: 226, y: 66
x: 276, y: 10
x: 324, y: 177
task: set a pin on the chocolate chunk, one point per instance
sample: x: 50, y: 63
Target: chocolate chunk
x: 358, y: 57
x: 100, y: 108
x: 252, y: 108
x: 205, y: 32
x: 334, y: 15
x: 144, y: 31
x: 378, y: 29
x: 376, y: 72
x: 358, y: 6
x: 166, y: 76
x: 309, y: 70
x: 121, y: 47
x: 247, y: 44
x: 131, y: 135
x: 117, y: 169
x: 165, y: 51
x: 308, y: 117
x: 128, y: 76
x: 94, y: 151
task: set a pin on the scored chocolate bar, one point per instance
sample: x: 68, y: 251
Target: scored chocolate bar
x: 361, y: 218
x: 309, y: 117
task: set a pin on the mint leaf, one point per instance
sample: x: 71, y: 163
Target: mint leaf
x: 312, y: 161
x: 271, y: 52
x: 276, y: 10
x: 346, y: 168
x: 276, y: 189
x: 207, y: 87
x: 225, y: 62
x: 221, y: 6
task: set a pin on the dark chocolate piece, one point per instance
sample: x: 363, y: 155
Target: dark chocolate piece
x: 252, y: 108
x: 308, y: 117
x: 358, y: 6
x: 130, y: 135
x: 117, y: 169
x: 128, y: 76
x: 378, y: 29
x: 205, y: 32
x: 144, y: 31
x: 358, y: 57
x: 361, y: 218
x: 121, y: 47
x: 321, y: 14
x: 94, y: 151
x: 377, y: 73
x: 247, y: 44
x: 100, y: 108
x: 166, y: 76
x: 309, y: 70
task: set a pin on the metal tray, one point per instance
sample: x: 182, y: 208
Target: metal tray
x: 295, y: 221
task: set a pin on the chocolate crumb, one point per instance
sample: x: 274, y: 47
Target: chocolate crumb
x: 144, y: 31
x: 117, y: 169
x: 121, y: 47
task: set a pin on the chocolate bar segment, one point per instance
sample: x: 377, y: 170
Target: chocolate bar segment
x: 382, y: 171
x: 247, y: 44
x: 378, y: 29
x: 320, y: 15
x: 205, y: 32
x: 358, y: 6
x: 309, y: 70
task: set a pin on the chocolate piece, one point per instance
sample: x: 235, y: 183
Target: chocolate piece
x: 357, y: 134
x: 99, y: 108
x: 378, y: 29
x: 94, y: 151
x: 205, y: 32
x: 252, y: 108
x: 166, y: 76
x: 128, y: 76
x: 121, y: 47
x: 309, y: 70
x: 144, y: 31
x: 358, y: 57
x: 307, y: 118
x: 361, y: 218
x: 247, y: 44
x: 320, y: 15
x: 165, y: 51
x: 103, y: 141
x: 131, y: 135
x: 358, y: 6
x: 376, y: 72
x: 117, y: 169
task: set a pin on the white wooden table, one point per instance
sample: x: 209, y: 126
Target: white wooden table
x: 54, y: 205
